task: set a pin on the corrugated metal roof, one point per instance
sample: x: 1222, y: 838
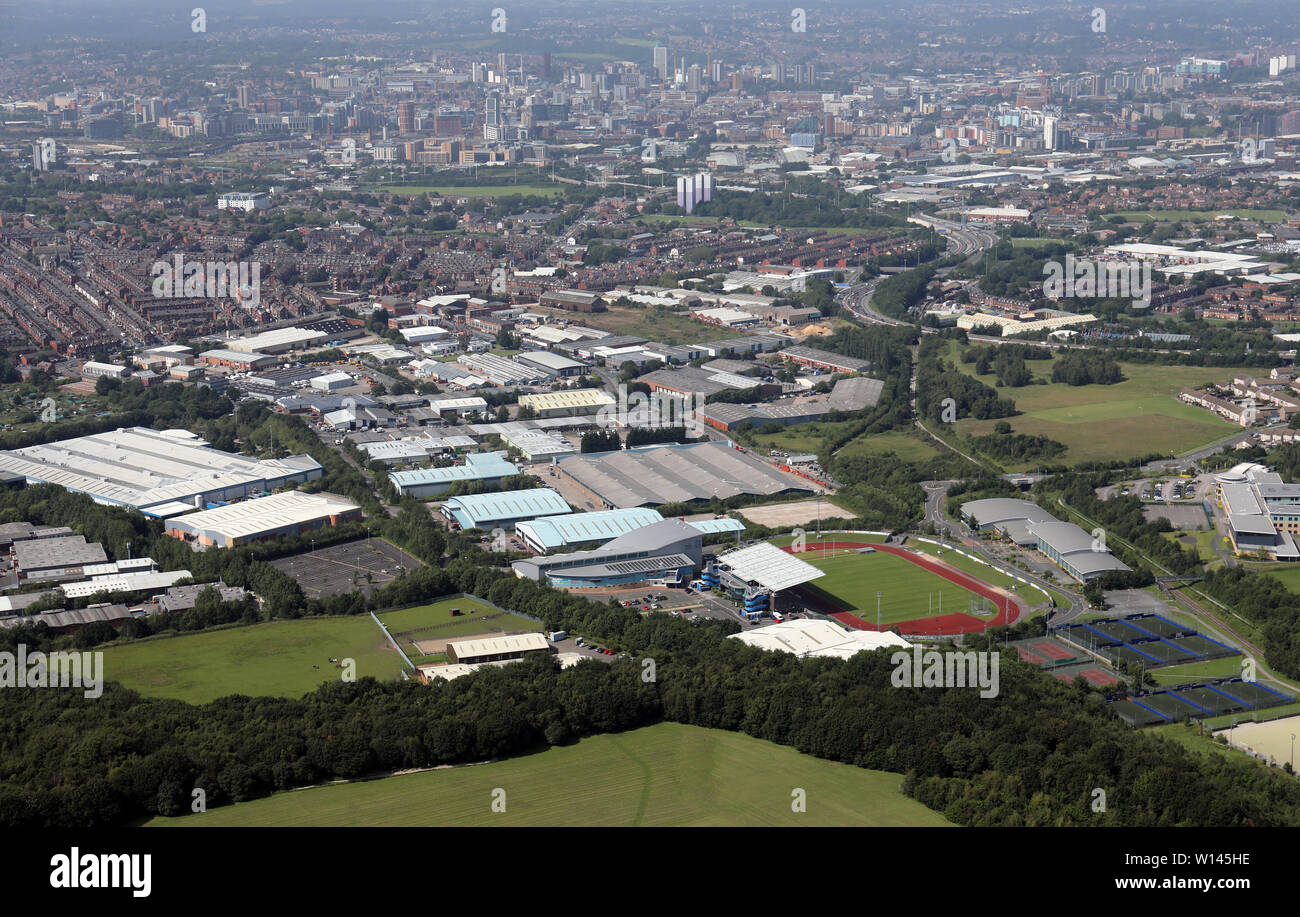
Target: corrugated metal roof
x: 511, y: 504
x: 769, y: 566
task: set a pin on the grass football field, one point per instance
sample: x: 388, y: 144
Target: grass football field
x: 668, y: 774
x: 435, y: 621
x: 278, y: 658
x: 907, y: 590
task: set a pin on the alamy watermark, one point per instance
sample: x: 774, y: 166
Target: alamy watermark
x: 39, y: 669
x: 951, y: 669
x: 1098, y: 280
x: 178, y: 278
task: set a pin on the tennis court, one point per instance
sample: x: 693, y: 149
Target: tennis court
x: 1135, y: 714
x: 1252, y: 693
x: 1093, y: 674
x: 1156, y: 626
x: 1203, y: 646
x: 1215, y: 703
x: 1166, y: 652
x: 1168, y: 704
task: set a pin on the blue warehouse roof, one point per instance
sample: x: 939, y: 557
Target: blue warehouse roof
x: 477, y: 466
x: 576, y: 528
x: 713, y: 526
x: 477, y: 510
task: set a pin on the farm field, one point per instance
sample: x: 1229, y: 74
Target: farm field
x: 668, y: 774
x: 908, y: 591
x: 1102, y: 422
x: 278, y: 658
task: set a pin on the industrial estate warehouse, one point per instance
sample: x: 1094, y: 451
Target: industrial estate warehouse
x: 484, y: 511
x: 655, y: 476
x: 1028, y: 524
x: 663, y: 552
x: 159, y: 473
x: 288, y: 513
x: 551, y: 532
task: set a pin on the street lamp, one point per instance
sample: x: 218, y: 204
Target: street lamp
x: 877, y: 611
x: 1293, y: 752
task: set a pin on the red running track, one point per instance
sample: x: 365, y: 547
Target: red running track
x: 1009, y: 609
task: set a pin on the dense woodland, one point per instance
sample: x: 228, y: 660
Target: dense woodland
x: 938, y: 380
x: 1030, y: 756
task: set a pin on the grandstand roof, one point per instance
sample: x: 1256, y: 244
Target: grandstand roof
x: 769, y: 566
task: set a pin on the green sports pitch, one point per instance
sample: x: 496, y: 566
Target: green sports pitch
x: 278, y: 658
x: 907, y: 590
x: 435, y: 622
x: 668, y: 774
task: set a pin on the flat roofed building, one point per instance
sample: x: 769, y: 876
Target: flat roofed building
x: 812, y: 637
x: 56, y: 558
x: 160, y: 473
x: 279, y: 340
x: 496, y: 649
x: 139, y: 581
x: 488, y: 467
x: 288, y: 513
x: 662, y: 552
x: 656, y: 475
x: 240, y: 360
x: 824, y: 359
x: 486, y: 511
x: 568, y: 403
x: 552, y: 532
x: 93, y: 370
x: 554, y: 363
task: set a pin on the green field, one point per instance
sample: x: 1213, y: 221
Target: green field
x: 1196, y: 216
x: 1132, y: 418
x: 991, y: 575
x: 907, y: 590
x: 279, y: 658
x: 909, y: 447
x: 662, y: 775
x: 656, y: 324
x: 1227, y: 667
x: 1287, y: 574
x: 434, y: 621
